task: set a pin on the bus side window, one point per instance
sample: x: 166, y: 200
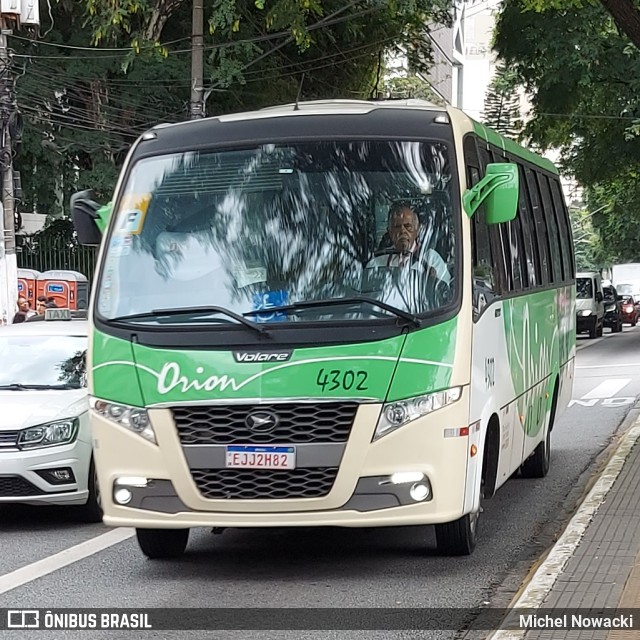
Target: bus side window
x: 501, y: 251
x: 484, y: 277
x: 549, y: 215
x: 529, y: 232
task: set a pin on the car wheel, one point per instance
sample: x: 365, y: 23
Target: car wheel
x: 91, y: 510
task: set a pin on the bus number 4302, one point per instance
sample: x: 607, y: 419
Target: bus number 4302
x: 337, y: 379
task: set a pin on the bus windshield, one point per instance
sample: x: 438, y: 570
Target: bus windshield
x: 248, y: 230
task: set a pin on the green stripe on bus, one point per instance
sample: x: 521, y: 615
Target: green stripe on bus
x: 492, y: 136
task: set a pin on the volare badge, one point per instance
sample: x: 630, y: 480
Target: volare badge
x: 262, y: 356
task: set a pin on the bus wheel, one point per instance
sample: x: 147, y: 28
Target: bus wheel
x: 458, y: 538
x: 537, y: 464
x: 162, y: 543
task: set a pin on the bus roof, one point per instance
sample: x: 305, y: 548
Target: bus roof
x: 353, y: 107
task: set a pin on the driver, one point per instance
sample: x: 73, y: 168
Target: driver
x: 404, y: 229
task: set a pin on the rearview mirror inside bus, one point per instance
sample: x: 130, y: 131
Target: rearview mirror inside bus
x: 89, y: 218
x: 498, y: 191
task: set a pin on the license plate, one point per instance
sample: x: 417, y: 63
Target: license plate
x: 256, y: 457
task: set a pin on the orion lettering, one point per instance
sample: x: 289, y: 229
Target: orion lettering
x: 171, y: 378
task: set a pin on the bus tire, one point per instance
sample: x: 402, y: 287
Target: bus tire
x: 458, y: 538
x: 91, y: 510
x: 537, y: 465
x: 162, y: 543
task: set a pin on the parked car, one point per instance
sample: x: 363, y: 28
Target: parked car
x: 630, y: 308
x: 589, y: 303
x: 612, y: 309
x: 45, y: 438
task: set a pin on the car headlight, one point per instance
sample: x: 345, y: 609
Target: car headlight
x: 132, y: 418
x: 611, y: 308
x: 586, y: 312
x: 49, y: 435
x: 396, y: 414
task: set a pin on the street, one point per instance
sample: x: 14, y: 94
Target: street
x: 332, y: 568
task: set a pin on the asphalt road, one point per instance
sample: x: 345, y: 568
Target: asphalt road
x: 332, y: 567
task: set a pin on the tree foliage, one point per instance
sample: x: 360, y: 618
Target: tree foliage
x: 502, y: 103
x: 625, y: 13
x: 110, y: 69
x: 583, y: 79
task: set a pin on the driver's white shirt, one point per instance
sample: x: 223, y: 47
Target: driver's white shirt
x: 429, y: 258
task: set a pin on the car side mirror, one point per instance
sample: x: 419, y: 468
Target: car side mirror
x: 598, y: 297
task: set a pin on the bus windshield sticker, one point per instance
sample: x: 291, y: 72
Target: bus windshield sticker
x: 247, y: 276
x: 132, y: 222
x: 268, y: 299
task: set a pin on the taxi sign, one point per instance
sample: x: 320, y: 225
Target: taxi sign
x: 57, y: 314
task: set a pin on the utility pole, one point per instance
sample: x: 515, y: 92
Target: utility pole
x: 197, y: 61
x: 8, y: 258
x: 13, y: 14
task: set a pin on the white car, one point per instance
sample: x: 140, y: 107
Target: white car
x: 45, y: 438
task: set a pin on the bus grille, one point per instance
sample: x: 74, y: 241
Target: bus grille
x: 16, y: 486
x: 296, y: 423
x: 262, y: 484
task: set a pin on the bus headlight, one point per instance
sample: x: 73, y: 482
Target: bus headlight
x: 132, y: 418
x: 396, y: 414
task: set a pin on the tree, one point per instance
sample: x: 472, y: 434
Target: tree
x: 120, y: 66
x: 625, y: 13
x: 583, y: 80
x: 502, y: 103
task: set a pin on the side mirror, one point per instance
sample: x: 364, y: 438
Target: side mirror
x: 90, y: 219
x: 498, y: 190
x: 598, y: 297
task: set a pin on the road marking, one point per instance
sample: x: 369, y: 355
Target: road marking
x: 588, y: 343
x: 607, y: 389
x: 607, y: 366
x: 62, y: 559
x: 536, y: 592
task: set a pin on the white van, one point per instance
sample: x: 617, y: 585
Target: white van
x: 589, y: 303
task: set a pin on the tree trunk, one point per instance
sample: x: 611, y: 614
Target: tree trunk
x: 161, y: 13
x: 626, y: 15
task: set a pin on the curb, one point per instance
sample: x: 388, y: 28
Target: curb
x: 542, y: 581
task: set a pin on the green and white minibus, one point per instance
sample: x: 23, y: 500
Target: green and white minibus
x: 333, y: 313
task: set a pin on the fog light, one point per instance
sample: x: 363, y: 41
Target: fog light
x: 61, y: 475
x: 420, y: 491
x: 122, y: 496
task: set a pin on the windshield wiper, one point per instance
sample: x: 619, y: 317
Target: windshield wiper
x: 335, y: 302
x: 17, y: 386
x: 194, y: 311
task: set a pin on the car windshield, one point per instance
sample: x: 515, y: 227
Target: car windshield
x: 584, y: 288
x: 42, y: 361
x: 276, y: 225
x: 625, y: 289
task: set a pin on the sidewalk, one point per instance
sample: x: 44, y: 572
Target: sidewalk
x: 596, y: 561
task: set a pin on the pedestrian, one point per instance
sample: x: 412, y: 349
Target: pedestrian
x: 23, y: 307
x: 19, y: 317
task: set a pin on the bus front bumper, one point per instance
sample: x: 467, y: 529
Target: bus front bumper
x: 145, y: 485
